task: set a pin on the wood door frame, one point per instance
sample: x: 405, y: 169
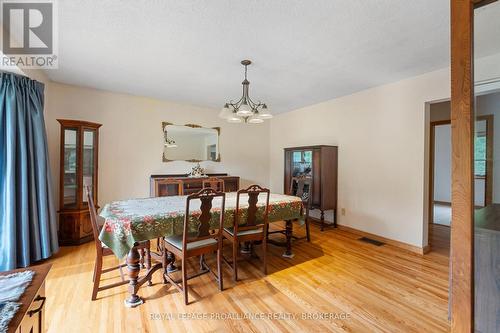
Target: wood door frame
x: 488, y: 193
x: 462, y: 122
x: 433, y: 124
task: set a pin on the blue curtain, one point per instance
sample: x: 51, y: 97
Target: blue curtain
x: 28, y: 227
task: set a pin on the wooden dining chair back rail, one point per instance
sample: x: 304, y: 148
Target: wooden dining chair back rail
x: 199, y: 243
x: 214, y: 183
x: 102, y: 251
x: 252, y: 229
x: 251, y: 222
x: 204, y: 228
x: 93, y: 218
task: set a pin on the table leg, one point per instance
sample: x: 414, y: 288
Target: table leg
x: 171, y: 262
x: 134, y: 267
x: 288, y: 233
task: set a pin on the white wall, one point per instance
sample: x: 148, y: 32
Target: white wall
x: 131, y: 139
x: 442, y: 163
x: 381, y: 137
x: 382, y: 134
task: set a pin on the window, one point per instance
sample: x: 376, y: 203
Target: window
x: 480, y: 155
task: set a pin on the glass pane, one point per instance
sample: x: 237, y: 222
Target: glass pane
x: 308, y: 156
x: 88, y: 162
x: 302, y: 163
x: 70, y: 163
x: 487, y: 168
x: 480, y: 149
x: 297, y: 156
x: 480, y: 168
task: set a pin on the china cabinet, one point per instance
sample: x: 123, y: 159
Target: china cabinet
x: 318, y: 163
x: 78, y: 170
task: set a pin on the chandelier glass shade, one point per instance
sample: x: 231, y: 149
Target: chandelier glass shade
x: 245, y: 110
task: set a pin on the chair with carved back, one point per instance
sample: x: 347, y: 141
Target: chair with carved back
x: 103, y: 251
x: 217, y: 184
x: 248, y: 226
x: 301, y: 187
x: 205, y: 239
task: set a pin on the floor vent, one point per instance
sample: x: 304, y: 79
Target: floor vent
x: 371, y: 241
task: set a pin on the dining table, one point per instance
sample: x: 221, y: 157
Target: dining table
x: 129, y: 222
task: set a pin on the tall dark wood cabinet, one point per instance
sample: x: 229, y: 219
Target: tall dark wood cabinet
x: 320, y: 163
x: 78, y: 169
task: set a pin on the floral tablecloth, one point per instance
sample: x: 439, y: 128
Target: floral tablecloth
x: 135, y: 220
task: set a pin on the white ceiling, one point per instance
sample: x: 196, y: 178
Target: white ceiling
x: 303, y: 51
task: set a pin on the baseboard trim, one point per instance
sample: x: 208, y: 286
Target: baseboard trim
x: 401, y: 245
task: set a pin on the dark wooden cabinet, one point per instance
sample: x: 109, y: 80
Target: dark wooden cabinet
x: 31, y: 315
x: 78, y: 169
x: 190, y: 184
x: 319, y: 163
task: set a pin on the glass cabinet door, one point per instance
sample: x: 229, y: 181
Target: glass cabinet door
x: 302, y: 163
x: 88, y: 152
x: 70, y: 184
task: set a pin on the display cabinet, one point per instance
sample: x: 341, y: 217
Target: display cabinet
x: 78, y: 170
x: 319, y: 163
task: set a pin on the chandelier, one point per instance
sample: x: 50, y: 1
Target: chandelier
x: 245, y: 110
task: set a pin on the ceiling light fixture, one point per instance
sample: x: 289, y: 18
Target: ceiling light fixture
x: 245, y: 110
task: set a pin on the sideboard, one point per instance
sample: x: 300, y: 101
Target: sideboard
x: 30, y: 317
x: 190, y: 184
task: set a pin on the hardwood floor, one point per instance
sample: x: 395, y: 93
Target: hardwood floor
x: 439, y: 238
x: 368, y: 289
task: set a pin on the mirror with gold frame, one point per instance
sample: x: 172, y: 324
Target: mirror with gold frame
x: 190, y: 142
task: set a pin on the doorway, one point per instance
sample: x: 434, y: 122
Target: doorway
x: 488, y: 105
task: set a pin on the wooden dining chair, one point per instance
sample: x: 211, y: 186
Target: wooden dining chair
x: 217, y: 184
x: 248, y: 226
x: 205, y: 240
x: 102, y: 251
x: 301, y: 187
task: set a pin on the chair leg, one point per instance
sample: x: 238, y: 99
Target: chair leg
x: 164, y: 266
x: 219, y: 267
x: 148, y: 264
x: 308, y: 234
x: 93, y: 275
x: 184, y: 281
x: 97, y: 279
x: 264, y: 255
x: 202, y: 260
x: 235, y: 261
x: 158, y: 245
x: 120, y: 268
